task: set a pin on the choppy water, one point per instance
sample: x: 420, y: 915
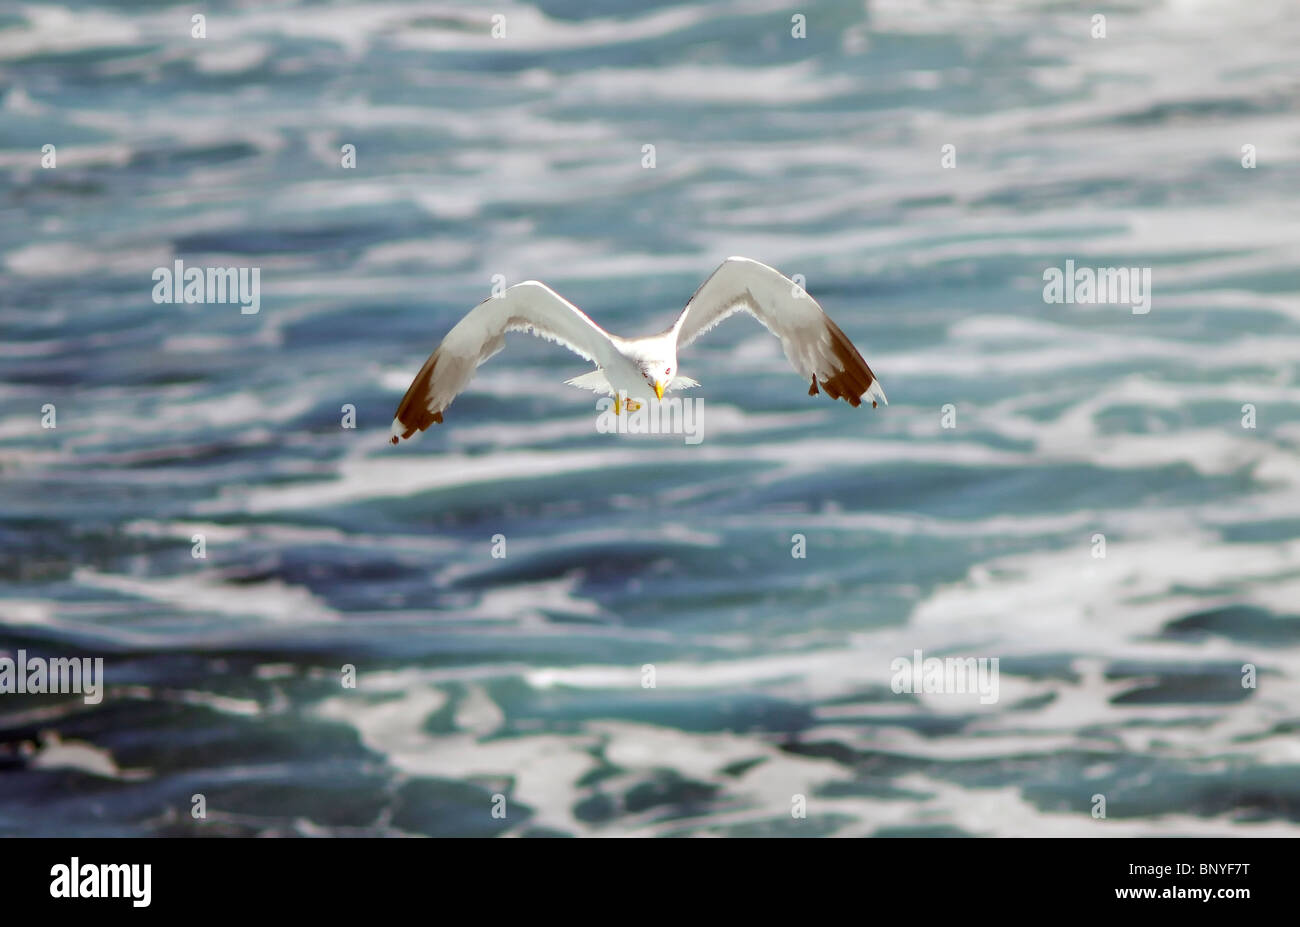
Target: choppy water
x: 523, y: 676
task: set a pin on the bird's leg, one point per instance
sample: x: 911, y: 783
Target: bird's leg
x: 618, y: 405
x: 633, y: 405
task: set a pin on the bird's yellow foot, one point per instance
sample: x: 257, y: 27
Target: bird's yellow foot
x: 632, y: 405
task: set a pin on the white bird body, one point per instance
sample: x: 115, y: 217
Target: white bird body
x: 636, y: 368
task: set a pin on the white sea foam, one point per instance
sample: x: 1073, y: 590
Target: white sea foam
x: 203, y: 592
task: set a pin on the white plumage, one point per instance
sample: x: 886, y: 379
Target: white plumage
x: 640, y: 367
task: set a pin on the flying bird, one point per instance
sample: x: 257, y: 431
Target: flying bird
x: 631, y: 369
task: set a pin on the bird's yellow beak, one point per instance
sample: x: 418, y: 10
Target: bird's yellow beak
x: 659, y: 389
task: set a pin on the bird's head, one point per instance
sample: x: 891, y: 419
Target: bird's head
x: 659, y: 374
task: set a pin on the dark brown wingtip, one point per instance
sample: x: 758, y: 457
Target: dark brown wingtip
x: 812, y: 390
x: 393, y: 439
x: 413, y: 411
x: 854, y: 377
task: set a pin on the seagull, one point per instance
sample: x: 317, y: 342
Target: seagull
x: 631, y: 369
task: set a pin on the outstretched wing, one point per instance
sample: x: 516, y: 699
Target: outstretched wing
x: 529, y: 306
x: 813, y: 343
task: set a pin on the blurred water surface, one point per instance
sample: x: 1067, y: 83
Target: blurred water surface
x: 522, y: 156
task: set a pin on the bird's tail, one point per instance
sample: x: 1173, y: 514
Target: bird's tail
x: 594, y: 381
